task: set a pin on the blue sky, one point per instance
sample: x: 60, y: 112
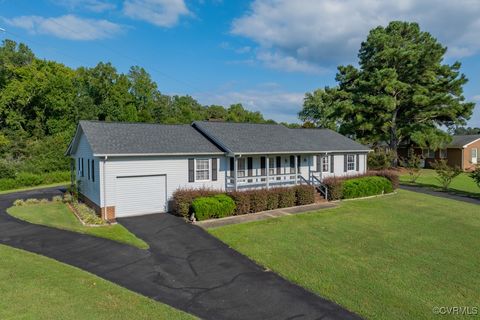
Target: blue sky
x: 264, y: 53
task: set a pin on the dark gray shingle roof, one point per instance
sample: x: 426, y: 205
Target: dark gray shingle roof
x: 113, y: 138
x: 459, y: 141
x: 274, y: 138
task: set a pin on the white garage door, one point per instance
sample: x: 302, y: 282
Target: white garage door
x: 140, y: 195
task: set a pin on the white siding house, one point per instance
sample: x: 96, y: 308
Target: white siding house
x: 126, y: 169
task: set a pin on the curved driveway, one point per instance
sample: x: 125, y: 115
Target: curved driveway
x: 185, y: 267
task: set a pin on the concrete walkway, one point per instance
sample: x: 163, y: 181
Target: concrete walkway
x: 441, y: 194
x: 213, y: 223
x: 185, y: 267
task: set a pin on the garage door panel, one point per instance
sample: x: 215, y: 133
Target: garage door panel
x: 140, y: 195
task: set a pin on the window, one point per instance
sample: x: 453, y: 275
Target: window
x: 93, y: 171
x: 202, y: 169
x: 474, y: 155
x: 350, y: 162
x: 443, y: 153
x: 325, y: 164
x: 79, y: 167
x: 271, y: 166
x: 241, y: 167
x: 428, y: 153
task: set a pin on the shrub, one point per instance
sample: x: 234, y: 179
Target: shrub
x: 365, y: 186
x: 19, y: 203
x: 258, y: 200
x: 57, y: 199
x: 286, y: 197
x: 43, y: 201
x: 242, y: 201
x: 412, y: 164
x: 388, y: 174
x: 217, y: 206
x: 26, y: 179
x: 32, y: 201
x: 335, y: 188
x: 7, y: 171
x: 67, y: 198
x: 304, y: 195
x: 475, y: 175
x: 86, y: 214
x: 380, y: 160
x: 445, y: 173
x: 183, y: 198
x: 272, y: 199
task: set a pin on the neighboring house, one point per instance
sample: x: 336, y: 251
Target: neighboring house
x: 461, y: 152
x: 126, y: 169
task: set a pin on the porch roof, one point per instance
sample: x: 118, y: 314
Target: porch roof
x: 253, y: 138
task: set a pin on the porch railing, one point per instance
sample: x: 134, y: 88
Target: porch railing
x: 261, y: 180
x: 320, y: 186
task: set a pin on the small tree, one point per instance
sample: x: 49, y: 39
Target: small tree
x: 380, y: 160
x: 412, y: 164
x: 445, y: 173
x: 475, y: 175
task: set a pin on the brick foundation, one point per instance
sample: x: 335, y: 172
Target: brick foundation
x: 107, y: 214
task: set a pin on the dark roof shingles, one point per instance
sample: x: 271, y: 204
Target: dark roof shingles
x: 142, y: 138
x: 459, y: 141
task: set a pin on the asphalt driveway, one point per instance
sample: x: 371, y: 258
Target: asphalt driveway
x: 185, y: 267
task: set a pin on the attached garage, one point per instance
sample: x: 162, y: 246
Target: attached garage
x: 136, y: 195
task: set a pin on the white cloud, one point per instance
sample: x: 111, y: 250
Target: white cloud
x: 162, y: 13
x: 90, y: 5
x: 476, y: 98
x: 273, y: 104
x: 282, y: 62
x: 329, y: 32
x: 67, y: 27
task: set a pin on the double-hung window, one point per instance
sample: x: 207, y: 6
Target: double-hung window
x: 443, y: 153
x: 325, y: 163
x: 241, y: 167
x: 202, y: 169
x: 350, y: 162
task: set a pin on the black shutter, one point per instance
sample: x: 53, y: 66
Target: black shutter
x: 357, y: 165
x: 191, y: 170
x: 88, y: 169
x: 319, y: 163
x: 250, y: 166
x: 263, y: 166
x: 232, y: 164
x: 82, y: 169
x: 332, y: 161
x: 214, y: 169
x: 299, y: 164
x: 279, y: 165
x: 93, y: 170
x: 345, y: 164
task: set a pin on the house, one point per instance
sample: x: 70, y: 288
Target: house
x: 461, y: 152
x: 126, y: 169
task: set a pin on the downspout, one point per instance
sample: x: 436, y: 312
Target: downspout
x: 104, y: 187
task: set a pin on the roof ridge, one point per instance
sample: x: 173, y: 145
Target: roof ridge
x: 137, y: 122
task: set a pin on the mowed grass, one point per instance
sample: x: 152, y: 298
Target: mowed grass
x: 392, y: 257
x: 461, y: 184
x: 36, y: 287
x: 58, y: 215
x: 60, y: 184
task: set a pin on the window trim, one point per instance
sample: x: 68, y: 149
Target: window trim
x: 353, y: 162
x: 205, y: 170
x: 476, y: 154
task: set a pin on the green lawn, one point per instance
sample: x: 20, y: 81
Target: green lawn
x: 59, y: 216
x: 36, y: 287
x: 60, y: 184
x: 461, y: 184
x: 392, y: 257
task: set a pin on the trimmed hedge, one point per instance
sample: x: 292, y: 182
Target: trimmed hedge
x: 217, y: 206
x: 248, y: 201
x: 25, y: 179
x: 183, y: 198
x: 366, y: 186
x: 372, y: 183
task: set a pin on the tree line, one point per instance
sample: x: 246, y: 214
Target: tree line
x: 41, y: 102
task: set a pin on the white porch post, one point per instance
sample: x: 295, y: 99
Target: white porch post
x: 267, y: 162
x: 296, y: 169
x: 235, y: 167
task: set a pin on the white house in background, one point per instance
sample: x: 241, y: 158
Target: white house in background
x: 127, y: 169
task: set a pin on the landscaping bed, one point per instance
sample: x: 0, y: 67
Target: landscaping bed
x: 57, y: 214
x: 393, y: 257
x: 207, y: 205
